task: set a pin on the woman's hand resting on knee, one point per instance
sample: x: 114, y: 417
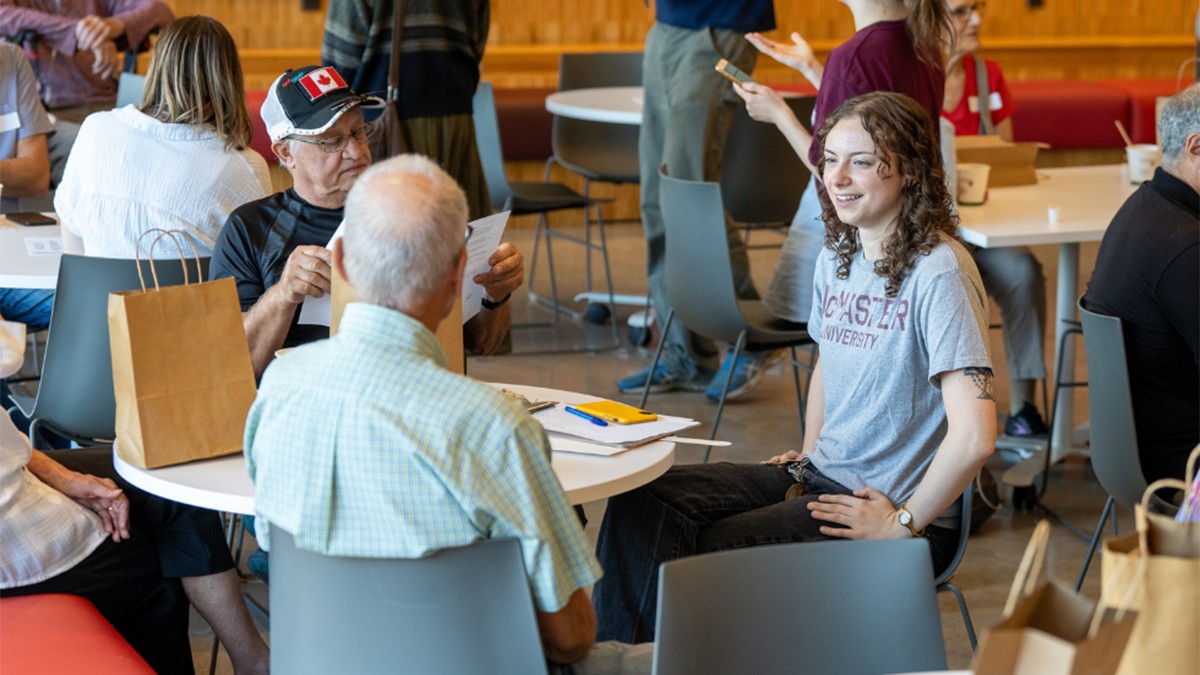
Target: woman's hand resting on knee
x: 866, y: 515
x: 789, y: 456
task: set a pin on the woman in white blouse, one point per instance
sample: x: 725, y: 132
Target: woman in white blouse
x: 180, y: 161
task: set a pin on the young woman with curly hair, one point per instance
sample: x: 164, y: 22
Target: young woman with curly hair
x: 900, y: 412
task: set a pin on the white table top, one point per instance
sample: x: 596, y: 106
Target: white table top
x: 18, y: 269
x: 222, y: 484
x: 618, y: 105
x: 1088, y: 197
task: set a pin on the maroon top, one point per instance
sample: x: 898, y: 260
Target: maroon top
x: 879, y: 57
x: 65, y: 73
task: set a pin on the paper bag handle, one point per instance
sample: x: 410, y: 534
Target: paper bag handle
x: 1139, y: 574
x: 1191, y: 465
x: 1143, y: 523
x: 178, y: 246
x: 1031, y: 564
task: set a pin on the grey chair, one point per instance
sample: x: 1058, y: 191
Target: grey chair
x: 762, y: 178
x: 943, y: 583
x: 598, y: 151
x: 846, y: 607
x: 75, y: 396
x: 524, y: 198
x: 462, y: 610
x: 1114, y: 446
x: 701, y: 290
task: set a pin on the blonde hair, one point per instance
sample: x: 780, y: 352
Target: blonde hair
x: 931, y: 29
x: 195, y: 77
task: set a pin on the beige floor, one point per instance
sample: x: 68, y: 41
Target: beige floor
x: 765, y: 422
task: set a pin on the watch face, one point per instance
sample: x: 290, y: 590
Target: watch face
x: 905, y: 518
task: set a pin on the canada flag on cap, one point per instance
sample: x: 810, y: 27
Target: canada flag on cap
x: 320, y: 82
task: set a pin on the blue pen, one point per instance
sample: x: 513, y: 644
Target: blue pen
x: 580, y: 413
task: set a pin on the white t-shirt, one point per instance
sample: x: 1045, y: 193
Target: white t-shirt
x: 881, y: 360
x: 129, y: 173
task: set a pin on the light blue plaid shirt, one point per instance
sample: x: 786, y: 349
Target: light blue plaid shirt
x: 365, y: 445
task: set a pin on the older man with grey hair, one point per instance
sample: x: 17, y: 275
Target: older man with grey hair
x: 423, y: 459
x: 1148, y: 274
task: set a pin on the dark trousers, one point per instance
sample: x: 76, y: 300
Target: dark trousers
x: 704, y: 508
x: 135, y: 583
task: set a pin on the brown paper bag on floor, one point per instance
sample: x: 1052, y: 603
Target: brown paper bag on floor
x: 181, y: 370
x: 1049, y: 629
x: 1163, y: 559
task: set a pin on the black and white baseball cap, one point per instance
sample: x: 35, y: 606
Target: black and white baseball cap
x: 309, y: 100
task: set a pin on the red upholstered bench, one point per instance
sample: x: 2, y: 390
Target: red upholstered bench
x: 1142, y: 95
x: 1068, y: 113
x: 801, y: 88
x: 52, y: 634
x: 261, y: 142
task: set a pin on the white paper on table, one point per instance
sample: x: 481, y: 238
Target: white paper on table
x: 484, y: 241
x: 560, y: 443
x: 43, y: 245
x: 622, y: 436
x: 318, y: 310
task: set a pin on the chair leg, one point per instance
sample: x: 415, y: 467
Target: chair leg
x: 612, y: 303
x: 587, y: 237
x: 799, y: 397
x: 737, y: 351
x: 657, y: 354
x: 1108, y: 507
x: 962, y: 608
x: 1059, y: 385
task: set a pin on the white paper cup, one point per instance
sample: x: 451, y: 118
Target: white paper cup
x: 972, y: 183
x: 1053, y: 213
x: 1143, y: 160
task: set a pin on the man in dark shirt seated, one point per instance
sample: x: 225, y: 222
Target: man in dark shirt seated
x: 1148, y: 274
x: 275, y: 247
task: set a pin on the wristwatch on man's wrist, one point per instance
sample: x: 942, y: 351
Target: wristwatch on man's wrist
x: 906, y: 519
x: 489, y: 304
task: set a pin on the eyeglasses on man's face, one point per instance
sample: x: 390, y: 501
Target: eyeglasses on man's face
x: 963, y: 12
x: 338, y: 143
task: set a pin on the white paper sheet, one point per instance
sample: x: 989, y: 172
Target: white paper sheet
x: 620, y: 436
x: 317, y: 310
x: 483, y: 243
x: 44, y: 245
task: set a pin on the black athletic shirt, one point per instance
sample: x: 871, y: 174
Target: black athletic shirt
x: 255, y: 243
x: 1148, y: 274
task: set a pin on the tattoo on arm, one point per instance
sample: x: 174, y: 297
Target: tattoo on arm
x: 982, y: 377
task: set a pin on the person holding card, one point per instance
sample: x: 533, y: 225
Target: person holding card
x: 276, y: 247
x: 901, y: 411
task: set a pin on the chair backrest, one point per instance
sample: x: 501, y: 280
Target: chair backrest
x: 847, y: 607
x: 491, y: 151
x: 129, y: 89
x: 76, y: 390
x: 964, y: 530
x: 1114, y: 447
x: 461, y: 610
x: 762, y: 178
x: 699, y: 275
x: 597, y: 149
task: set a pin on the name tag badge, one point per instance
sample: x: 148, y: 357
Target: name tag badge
x: 994, y: 101
x: 10, y: 121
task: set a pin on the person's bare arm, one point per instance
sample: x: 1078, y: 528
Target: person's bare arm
x: 569, y: 633
x: 485, y: 331
x: 766, y: 105
x: 28, y: 174
x: 970, y: 439
x: 307, y: 273
x: 100, y: 495
x: 1005, y: 130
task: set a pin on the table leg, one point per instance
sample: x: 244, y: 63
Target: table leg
x: 1068, y: 293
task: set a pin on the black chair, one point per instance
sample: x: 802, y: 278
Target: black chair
x: 847, y: 607
x: 75, y: 397
x: 762, y: 178
x: 598, y: 151
x: 701, y: 290
x: 524, y: 198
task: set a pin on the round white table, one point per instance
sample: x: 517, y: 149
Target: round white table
x: 18, y: 269
x: 616, y: 105
x: 222, y: 484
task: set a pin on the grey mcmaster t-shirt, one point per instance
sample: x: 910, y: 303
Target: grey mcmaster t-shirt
x: 881, y: 360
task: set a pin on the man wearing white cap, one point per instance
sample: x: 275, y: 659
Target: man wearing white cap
x: 275, y: 247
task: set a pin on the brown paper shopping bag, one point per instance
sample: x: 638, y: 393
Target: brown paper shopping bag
x: 181, y: 370
x: 1049, y: 629
x: 1161, y: 563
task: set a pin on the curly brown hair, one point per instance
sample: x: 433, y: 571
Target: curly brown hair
x: 905, y: 142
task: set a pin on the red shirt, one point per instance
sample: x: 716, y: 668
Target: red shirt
x: 965, y: 115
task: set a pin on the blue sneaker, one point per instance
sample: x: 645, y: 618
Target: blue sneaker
x: 664, y: 380
x: 748, y: 371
